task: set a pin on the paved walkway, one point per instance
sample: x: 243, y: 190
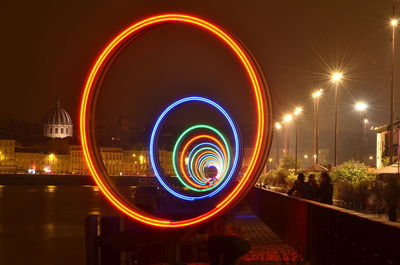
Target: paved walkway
x: 267, y: 247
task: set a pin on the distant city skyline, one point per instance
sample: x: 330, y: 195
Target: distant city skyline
x: 297, y: 45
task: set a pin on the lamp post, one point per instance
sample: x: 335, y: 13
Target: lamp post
x: 336, y: 79
x: 361, y: 107
x: 296, y: 113
x: 270, y: 160
x: 366, y: 121
x: 287, y: 118
x: 393, y: 23
x: 278, y: 127
x: 316, y: 95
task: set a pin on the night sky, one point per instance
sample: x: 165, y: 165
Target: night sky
x: 49, y: 46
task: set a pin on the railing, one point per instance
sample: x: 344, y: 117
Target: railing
x: 326, y: 234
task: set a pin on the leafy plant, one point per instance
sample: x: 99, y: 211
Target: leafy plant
x: 288, y: 162
x: 354, y: 173
x: 353, y: 184
x: 385, y: 161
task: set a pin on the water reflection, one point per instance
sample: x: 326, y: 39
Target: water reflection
x: 49, y: 231
x: 93, y: 188
x: 46, y: 223
x: 50, y: 188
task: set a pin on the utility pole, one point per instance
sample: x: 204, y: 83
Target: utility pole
x: 394, y: 23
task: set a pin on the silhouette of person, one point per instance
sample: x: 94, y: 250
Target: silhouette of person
x: 300, y: 188
x: 325, y: 189
x: 314, y: 186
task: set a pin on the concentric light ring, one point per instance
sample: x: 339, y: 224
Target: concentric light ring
x: 153, y: 147
x: 263, y: 106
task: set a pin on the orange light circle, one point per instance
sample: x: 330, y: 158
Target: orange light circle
x: 263, y: 106
x: 185, y: 176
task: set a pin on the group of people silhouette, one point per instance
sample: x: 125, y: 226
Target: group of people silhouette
x: 311, y: 190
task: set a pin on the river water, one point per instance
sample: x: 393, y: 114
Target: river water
x: 45, y: 224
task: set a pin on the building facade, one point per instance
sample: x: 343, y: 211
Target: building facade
x: 58, y: 123
x: 116, y: 161
x: 382, y: 144
x: 7, y: 156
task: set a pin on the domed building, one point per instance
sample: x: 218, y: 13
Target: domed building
x: 58, y: 123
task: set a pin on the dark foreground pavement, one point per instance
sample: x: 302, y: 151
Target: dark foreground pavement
x: 267, y: 247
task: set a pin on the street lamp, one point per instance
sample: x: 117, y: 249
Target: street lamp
x: 278, y: 127
x: 297, y: 112
x: 316, y: 95
x: 394, y: 22
x: 361, y: 107
x: 336, y: 79
x: 52, y: 156
x: 371, y: 160
x: 287, y: 118
x: 366, y: 121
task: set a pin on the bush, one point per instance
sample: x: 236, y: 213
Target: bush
x: 273, y: 178
x: 288, y: 162
x: 354, y: 173
x: 353, y: 183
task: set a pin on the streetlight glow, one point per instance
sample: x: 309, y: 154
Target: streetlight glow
x: 366, y: 121
x: 317, y: 93
x: 287, y: 118
x: 337, y: 77
x: 305, y: 156
x: 278, y: 126
x: 394, y: 22
x: 361, y: 106
x: 298, y: 111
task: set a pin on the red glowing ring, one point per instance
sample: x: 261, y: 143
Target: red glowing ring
x: 87, y: 113
x: 182, y: 159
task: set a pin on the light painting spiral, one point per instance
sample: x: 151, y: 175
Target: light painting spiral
x: 196, y: 153
x: 208, y: 151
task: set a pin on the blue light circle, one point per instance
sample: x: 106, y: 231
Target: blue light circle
x: 153, y: 151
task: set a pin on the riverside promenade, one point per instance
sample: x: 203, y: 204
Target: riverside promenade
x: 267, y: 246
